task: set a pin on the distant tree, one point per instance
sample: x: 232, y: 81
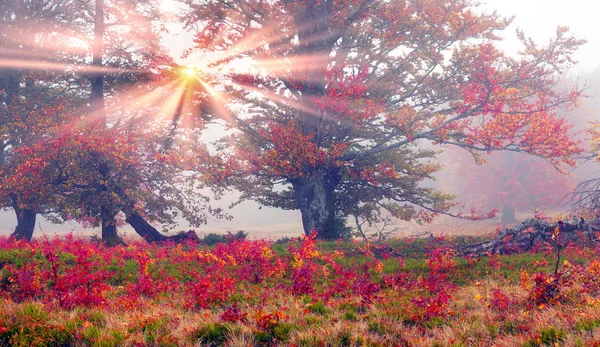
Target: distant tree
x: 586, y: 196
x: 509, y: 182
x: 347, y: 100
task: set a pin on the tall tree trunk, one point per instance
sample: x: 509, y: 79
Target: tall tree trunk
x: 2, y: 154
x: 25, y: 221
x: 315, y: 197
x: 97, y: 79
x: 107, y: 214
x: 508, y: 214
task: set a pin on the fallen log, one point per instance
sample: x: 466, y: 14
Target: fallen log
x: 531, y: 233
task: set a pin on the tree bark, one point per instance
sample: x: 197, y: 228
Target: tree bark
x: 108, y: 213
x: 25, y: 221
x: 508, y: 215
x: 2, y: 154
x: 315, y: 197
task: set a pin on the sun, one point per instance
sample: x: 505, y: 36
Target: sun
x: 190, y: 72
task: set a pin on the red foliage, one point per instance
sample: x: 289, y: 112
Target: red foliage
x: 436, y: 289
x: 233, y: 314
x: 267, y: 321
x: 499, y: 300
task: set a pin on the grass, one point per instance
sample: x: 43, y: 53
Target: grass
x: 489, y: 299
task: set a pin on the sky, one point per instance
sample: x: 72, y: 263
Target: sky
x: 537, y: 18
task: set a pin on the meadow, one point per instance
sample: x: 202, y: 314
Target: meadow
x: 301, y: 292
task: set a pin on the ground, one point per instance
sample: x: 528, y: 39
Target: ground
x: 75, y: 292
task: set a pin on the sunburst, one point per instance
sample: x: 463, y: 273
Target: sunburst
x: 190, y: 72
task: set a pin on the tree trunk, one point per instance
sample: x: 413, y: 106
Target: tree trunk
x: 107, y: 215
x: 25, y: 224
x: 315, y: 197
x: 25, y: 221
x: 150, y: 234
x: 109, y: 228
x: 2, y: 154
x: 508, y: 215
x: 144, y: 229
x: 97, y: 79
x: 108, y: 212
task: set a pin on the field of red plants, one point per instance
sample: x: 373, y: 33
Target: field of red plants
x: 75, y: 292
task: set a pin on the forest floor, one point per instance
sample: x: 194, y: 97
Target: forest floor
x: 74, y: 292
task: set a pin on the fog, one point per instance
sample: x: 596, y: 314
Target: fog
x: 538, y: 19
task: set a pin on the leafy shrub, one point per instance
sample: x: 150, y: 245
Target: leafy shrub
x: 499, y: 301
x: 213, y: 239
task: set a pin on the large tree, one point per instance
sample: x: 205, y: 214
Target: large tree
x: 338, y: 107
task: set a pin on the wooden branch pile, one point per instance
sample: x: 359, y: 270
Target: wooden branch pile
x: 533, y: 232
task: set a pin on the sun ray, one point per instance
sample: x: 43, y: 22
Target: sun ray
x: 218, y: 102
x: 16, y: 64
x: 131, y: 100
x: 282, y: 100
x: 190, y: 72
x: 34, y: 52
x: 168, y: 108
x: 309, y: 69
x: 277, y: 40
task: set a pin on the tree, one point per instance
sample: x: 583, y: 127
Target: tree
x: 508, y: 181
x: 346, y: 101
x: 108, y: 209
x: 63, y: 175
x: 31, y: 101
x: 27, y: 112
x: 586, y: 196
x: 112, y: 154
